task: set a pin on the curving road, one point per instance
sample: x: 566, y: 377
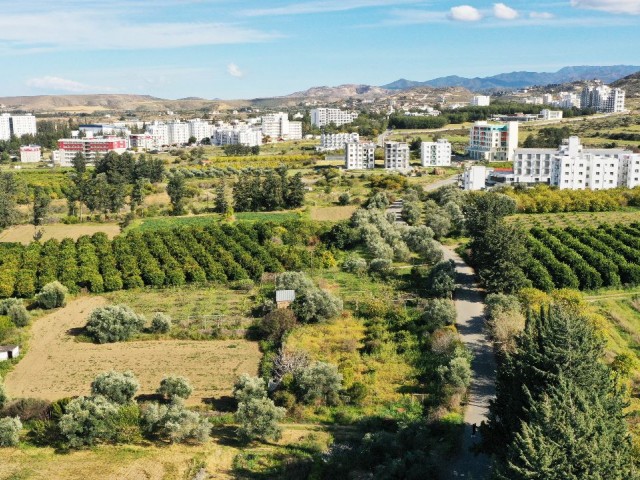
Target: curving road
x: 469, y: 300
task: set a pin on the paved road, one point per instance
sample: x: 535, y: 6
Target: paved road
x: 441, y: 183
x: 470, y: 323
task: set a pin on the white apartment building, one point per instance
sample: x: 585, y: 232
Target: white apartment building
x: 572, y: 166
x: 568, y: 100
x: 17, y: 125
x: 160, y: 131
x: 547, y: 99
x: 321, y: 117
x: 144, y: 141
x: 396, y: 156
x: 277, y: 126
x: 436, y: 154
x: 178, y: 133
x: 200, y: 129
x: 97, y: 129
x: 547, y: 114
x: 474, y: 177
x: 30, y: 154
x: 493, y: 143
x: 236, y: 135
x: 481, y: 101
x: 359, y: 156
x: 335, y: 141
x: 603, y: 98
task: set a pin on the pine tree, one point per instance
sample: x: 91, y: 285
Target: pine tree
x: 41, y: 201
x: 295, y: 192
x: 272, y: 192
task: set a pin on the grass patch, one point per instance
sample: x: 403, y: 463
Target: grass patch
x: 573, y: 219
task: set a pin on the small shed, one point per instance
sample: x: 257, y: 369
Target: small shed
x: 284, y: 298
x: 7, y: 352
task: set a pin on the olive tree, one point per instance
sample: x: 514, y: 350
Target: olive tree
x: 118, y: 387
x: 319, y: 382
x: 87, y: 421
x: 52, y: 295
x: 438, y: 312
x: 248, y: 387
x: 174, y: 423
x: 174, y: 388
x: 160, y: 323
x: 258, y: 419
x: 316, y: 305
x: 10, y: 431
x: 113, y: 323
x: 19, y: 315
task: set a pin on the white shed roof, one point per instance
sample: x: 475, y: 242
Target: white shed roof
x: 285, y: 295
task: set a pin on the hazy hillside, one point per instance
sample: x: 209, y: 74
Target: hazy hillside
x: 630, y: 83
x: 514, y: 80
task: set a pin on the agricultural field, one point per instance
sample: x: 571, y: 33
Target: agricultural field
x: 211, y: 366
x: 332, y: 214
x: 584, y: 258
x: 24, y: 233
x: 528, y: 221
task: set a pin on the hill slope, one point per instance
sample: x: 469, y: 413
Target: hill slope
x: 630, y: 83
x: 512, y: 80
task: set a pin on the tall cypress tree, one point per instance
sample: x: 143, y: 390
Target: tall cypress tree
x: 221, y: 205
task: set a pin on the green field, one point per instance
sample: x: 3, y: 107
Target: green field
x: 573, y: 219
x: 199, y: 220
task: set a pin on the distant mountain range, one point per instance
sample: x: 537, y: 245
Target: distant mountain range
x: 516, y: 80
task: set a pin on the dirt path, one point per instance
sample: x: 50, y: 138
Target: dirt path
x: 56, y: 365
x: 469, y: 301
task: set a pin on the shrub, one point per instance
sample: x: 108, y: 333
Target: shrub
x: 3, y: 394
x: 248, y: 387
x: 19, y: 315
x: 8, y: 303
x: 258, y: 419
x: 457, y: 374
x: 244, y: 284
x: 51, y: 296
x: 10, y: 431
x: 319, y: 382
x: 87, y: 421
x: 357, y: 393
x: 441, y: 279
x: 174, y: 423
x: 284, y: 399
x: 354, y: 264
x: 113, y: 323
x: 275, y: 324
x: 160, y: 323
x: 438, y: 312
x: 381, y: 267
x: 118, y: 387
x: 26, y: 409
x: 173, y: 388
x: 344, y: 199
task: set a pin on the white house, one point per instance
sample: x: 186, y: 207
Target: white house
x: 474, y: 177
x: 7, y: 352
x: 436, y: 154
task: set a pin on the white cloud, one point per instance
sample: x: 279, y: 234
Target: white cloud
x: 234, y: 70
x: 322, y: 6
x: 611, y: 6
x: 465, y: 13
x: 59, y: 84
x: 541, y: 15
x: 86, y: 31
x: 504, y: 12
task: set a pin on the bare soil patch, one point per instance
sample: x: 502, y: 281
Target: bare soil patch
x: 24, y: 233
x: 332, y: 214
x: 57, y: 365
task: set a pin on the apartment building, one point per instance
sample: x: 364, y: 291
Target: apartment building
x: 474, y: 177
x: 321, y: 117
x: 17, y: 125
x: 572, y: 166
x: 178, y: 133
x: 91, y: 148
x: 236, y: 135
x: 200, y: 129
x: 30, y: 154
x: 99, y: 129
x: 359, y: 156
x: 396, y: 156
x: 436, y: 154
x: 144, y: 141
x: 547, y: 114
x: 277, y: 126
x: 160, y: 131
x: 603, y: 98
x: 481, y: 101
x: 493, y: 143
x: 335, y: 141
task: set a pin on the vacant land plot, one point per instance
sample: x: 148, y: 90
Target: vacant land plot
x: 576, y: 219
x: 24, y: 233
x: 58, y: 366
x: 332, y: 214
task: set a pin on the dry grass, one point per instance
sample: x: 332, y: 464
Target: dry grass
x: 24, y: 233
x: 58, y: 366
x: 332, y: 214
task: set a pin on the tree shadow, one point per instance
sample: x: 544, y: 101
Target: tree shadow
x: 225, y: 403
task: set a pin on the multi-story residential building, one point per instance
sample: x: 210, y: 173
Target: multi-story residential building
x: 237, y: 135
x: 17, y: 125
x: 547, y: 114
x: 91, y: 148
x: 178, y: 133
x: 335, y: 141
x: 481, y: 101
x: 603, y: 98
x: 277, y: 126
x: 144, y: 141
x: 493, y: 143
x: 359, y: 156
x: 547, y: 99
x: 321, y: 117
x: 436, y: 154
x: 30, y: 154
x: 568, y: 100
x: 160, y: 131
x: 99, y: 129
x: 572, y: 166
x: 200, y: 129
x: 474, y: 177
x: 396, y: 156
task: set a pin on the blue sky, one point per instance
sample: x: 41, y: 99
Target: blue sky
x: 252, y: 48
